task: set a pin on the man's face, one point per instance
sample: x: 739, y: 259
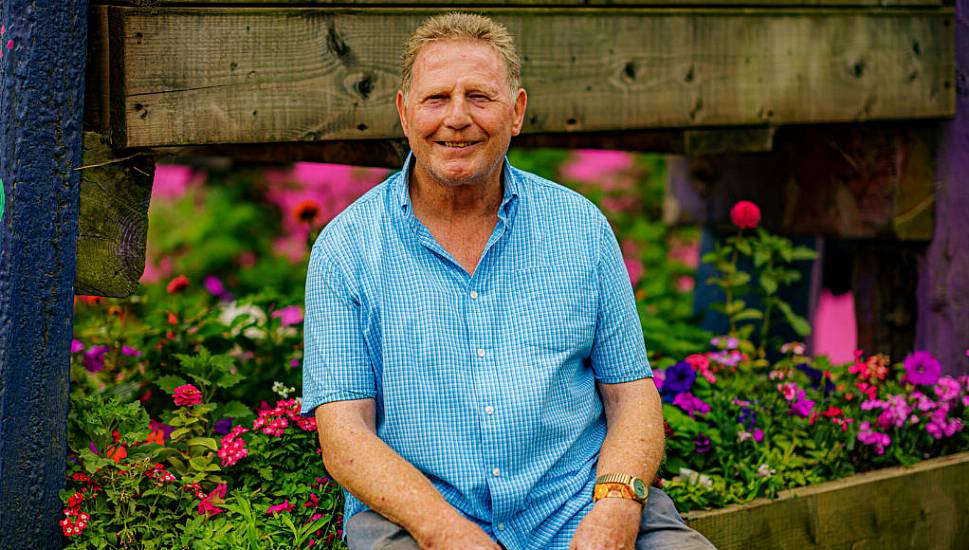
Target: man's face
x: 459, y: 114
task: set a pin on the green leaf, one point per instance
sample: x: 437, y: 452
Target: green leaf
x: 803, y: 253
x: 748, y: 315
x: 200, y: 463
x: 177, y: 434
x: 235, y: 409
x: 768, y: 283
x: 743, y: 245
x: 798, y: 323
x: 206, y: 442
x: 169, y: 383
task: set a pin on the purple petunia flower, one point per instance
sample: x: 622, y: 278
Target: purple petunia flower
x: 921, y: 368
x: 801, y: 406
x: 691, y: 404
x: 94, y: 358
x: 679, y: 379
x: 222, y: 426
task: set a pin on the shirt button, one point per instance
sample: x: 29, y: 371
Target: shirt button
x: 474, y: 295
x: 496, y: 472
x: 481, y: 352
x: 501, y: 526
x: 489, y: 409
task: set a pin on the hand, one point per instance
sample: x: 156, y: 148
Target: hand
x: 458, y: 534
x: 612, y: 524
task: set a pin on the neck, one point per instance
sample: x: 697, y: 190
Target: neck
x: 453, y: 204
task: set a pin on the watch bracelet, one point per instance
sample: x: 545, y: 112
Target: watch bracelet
x: 614, y: 490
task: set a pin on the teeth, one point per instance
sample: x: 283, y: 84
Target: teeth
x: 458, y: 144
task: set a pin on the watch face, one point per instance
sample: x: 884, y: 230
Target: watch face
x: 640, y: 488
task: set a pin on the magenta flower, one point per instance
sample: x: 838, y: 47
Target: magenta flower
x: 789, y: 389
x: 876, y: 439
x: 207, y: 506
x: 94, y: 358
x: 286, y: 506
x: 187, y: 396
x: 922, y: 369
x: 658, y: 378
x: 940, y: 425
x: 758, y: 435
x: 895, y: 413
x: 947, y: 388
x: 76, y: 345
x: 801, y: 406
x: 130, y: 351
x: 691, y: 404
x: 289, y: 315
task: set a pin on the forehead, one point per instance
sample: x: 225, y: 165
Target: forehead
x: 448, y: 61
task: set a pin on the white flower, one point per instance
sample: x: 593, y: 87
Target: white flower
x: 281, y: 390
x: 765, y: 471
x: 744, y: 435
x: 233, y: 310
x: 694, y: 478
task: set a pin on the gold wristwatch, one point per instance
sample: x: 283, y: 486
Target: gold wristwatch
x: 620, y: 486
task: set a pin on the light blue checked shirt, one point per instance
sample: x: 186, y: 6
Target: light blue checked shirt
x: 485, y: 383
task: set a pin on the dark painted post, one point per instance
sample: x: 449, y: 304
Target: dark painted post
x: 41, y: 105
x: 943, y: 320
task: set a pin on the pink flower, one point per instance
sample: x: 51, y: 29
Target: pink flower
x: 207, y: 506
x: 289, y: 315
x: 758, y: 435
x: 895, y: 413
x: 187, y: 396
x: 691, y: 404
x: 286, y: 506
x: 745, y: 215
x: 873, y: 438
x: 701, y: 364
x: 789, y: 389
x: 947, y: 388
x: 940, y: 425
x: 801, y: 406
x: 658, y: 378
x: 76, y: 346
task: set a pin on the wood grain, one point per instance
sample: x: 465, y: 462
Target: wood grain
x: 919, y: 508
x: 200, y: 76
x: 113, y: 220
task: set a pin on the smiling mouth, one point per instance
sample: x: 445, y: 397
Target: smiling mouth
x: 457, y: 144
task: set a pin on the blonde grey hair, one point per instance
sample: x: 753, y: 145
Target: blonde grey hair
x: 462, y: 26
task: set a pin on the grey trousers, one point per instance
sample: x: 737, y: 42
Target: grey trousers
x: 660, y: 527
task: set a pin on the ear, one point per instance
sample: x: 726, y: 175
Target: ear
x: 521, y: 98
x: 402, y: 110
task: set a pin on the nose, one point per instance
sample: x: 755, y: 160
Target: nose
x: 457, y: 116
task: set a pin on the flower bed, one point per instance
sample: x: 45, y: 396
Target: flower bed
x: 184, y: 428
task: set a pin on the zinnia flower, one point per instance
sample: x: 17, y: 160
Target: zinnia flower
x: 177, y: 284
x: 921, y: 368
x: 187, y: 396
x: 745, y: 215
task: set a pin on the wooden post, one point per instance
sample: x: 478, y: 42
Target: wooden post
x: 943, y: 309
x: 41, y: 103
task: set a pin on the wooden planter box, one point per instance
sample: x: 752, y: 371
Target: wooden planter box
x: 925, y: 506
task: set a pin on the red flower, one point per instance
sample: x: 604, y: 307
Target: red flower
x: 187, y: 396
x: 172, y: 318
x: 207, y: 506
x: 178, y: 284
x: 745, y: 215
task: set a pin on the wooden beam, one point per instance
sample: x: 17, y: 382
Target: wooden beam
x: 921, y: 507
x: 233, y: 75
x: 113, y: 222
x: 852, y: 181
x: 523, y: 3
x: 41, y: 91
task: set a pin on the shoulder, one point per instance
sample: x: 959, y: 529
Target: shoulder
x: 557, y: 205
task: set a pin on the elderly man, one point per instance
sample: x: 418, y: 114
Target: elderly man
x: 473, y: 353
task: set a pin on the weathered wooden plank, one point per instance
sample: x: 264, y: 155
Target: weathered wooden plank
x: 113, y: 222
x: 943, y: 317
x: 41, y: 97
x: 884, y: 284
x: 198, y: 76
x: 862, y: 181
x: 527, y: 3
x: 921, y: 507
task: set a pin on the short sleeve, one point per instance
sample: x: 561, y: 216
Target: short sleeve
x: 336, y: 366
x: 618, y: 350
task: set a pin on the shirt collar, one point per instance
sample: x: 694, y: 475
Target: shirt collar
x: 511, y: 188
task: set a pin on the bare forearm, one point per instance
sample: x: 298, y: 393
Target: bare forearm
x: 382, y: 479
x: 634, y: 437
